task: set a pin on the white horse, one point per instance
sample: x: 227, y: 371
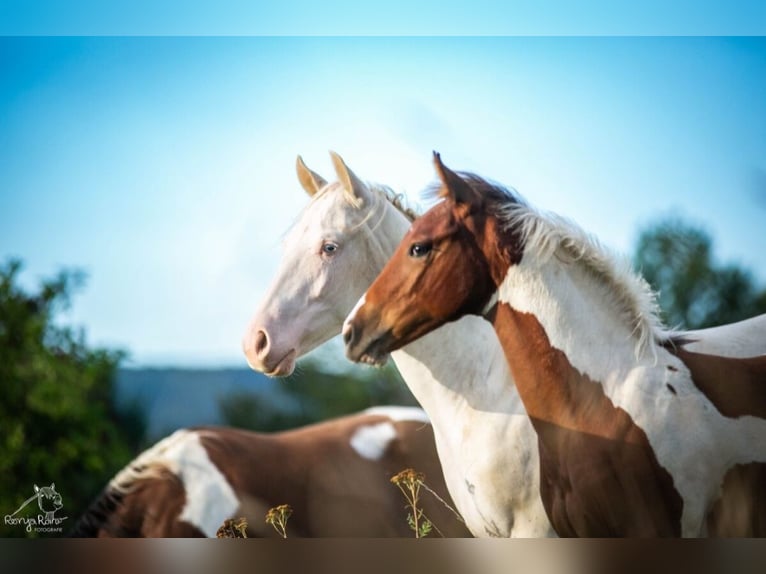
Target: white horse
x: 486, y: 444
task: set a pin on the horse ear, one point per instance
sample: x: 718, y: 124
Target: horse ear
x: 354, y: 186
x: 453, y: 186
x: 311, y: 181
x: 53, y: 486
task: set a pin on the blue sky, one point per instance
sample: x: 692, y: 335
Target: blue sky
x: 164, y: 166
x: 351, y: 17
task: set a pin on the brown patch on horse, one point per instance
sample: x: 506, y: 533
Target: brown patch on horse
x: 163, y: 499
x: 599, y: 474
x: 332, y: 489
x: 149, y: 509
x: 741, y: 509
x: 736, y: 386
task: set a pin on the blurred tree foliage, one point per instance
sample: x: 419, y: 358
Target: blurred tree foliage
x: 315, y: 393
x: 694, y: 291
x: 56, y: 402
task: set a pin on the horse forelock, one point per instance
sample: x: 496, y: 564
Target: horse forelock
x: 545, y: 235
x: 398, y: 200
x: 334, y: 208
x: 378, y: 190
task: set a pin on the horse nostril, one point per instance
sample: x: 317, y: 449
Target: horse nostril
x: 261, y: 342
x: 348, y: 334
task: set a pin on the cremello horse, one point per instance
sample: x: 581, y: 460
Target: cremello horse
x: 485, y: 442
x: 642, y: 432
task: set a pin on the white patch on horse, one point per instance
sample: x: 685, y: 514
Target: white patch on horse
x: 371, y: 441
x: 736, y: 340
x: 210, y: 498
x: 397, y: 413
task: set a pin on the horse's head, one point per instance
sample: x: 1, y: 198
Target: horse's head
x: 47, y: 497
x: 329, y: 260
x: 438, y: 273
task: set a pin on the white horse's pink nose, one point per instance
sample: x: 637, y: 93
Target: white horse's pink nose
x: 256, y: 348
x: 268, y: 355
x: 261, y: 343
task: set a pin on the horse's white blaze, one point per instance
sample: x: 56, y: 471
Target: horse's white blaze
x: 352, y: 313
x: 397, y: 414
x: 688, y: 435
x: 371, y: 441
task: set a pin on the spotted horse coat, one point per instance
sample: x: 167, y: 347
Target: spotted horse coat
x: 334, y: 474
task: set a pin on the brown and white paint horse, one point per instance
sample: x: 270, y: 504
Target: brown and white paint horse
x: 333, y: 252
x: 642, y: 432
x: 335, y: 475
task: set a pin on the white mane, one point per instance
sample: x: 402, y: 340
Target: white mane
x: 546, y: 235
x: 378, y: 190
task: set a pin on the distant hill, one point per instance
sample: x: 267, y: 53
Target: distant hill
x: 173, y: 398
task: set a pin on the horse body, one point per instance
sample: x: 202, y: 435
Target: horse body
x: 485, y: 441
x: 736, y: 340
x: 637, y: 435
x: 687, y: 435
x: 335, y: 475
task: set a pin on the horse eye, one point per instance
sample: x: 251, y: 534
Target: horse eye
x: 420, y: 249
x: 329, y: 248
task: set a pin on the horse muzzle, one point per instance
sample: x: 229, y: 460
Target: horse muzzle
x: 265, y: 357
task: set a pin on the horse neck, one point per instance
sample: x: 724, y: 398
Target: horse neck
x: 459, y: 363
x: 560, y: 329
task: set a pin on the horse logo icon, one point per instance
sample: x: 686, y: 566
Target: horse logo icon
x: 49, y: 502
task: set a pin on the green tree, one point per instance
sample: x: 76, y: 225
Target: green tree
x: 315, y: 393
x: 694, y: 290
x: 56, y: 402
